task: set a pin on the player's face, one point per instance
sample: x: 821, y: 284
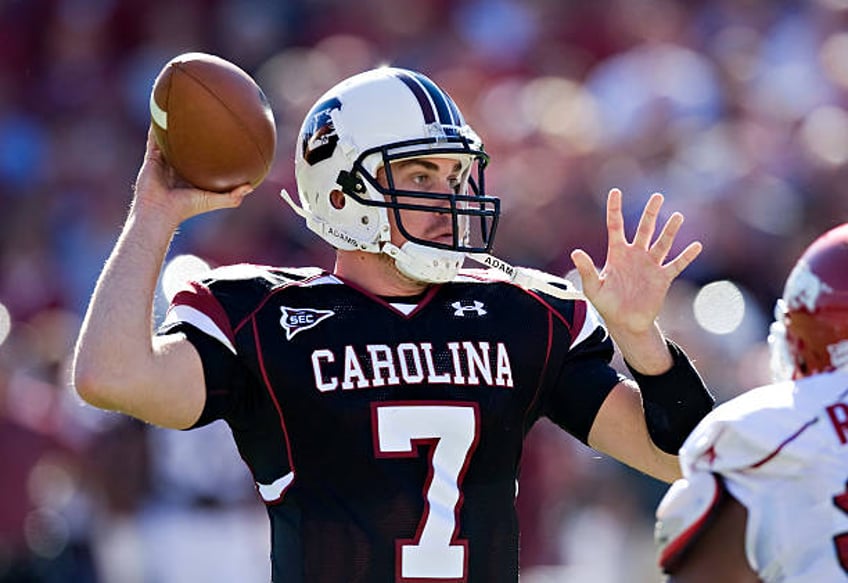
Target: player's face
x: 430, y: 175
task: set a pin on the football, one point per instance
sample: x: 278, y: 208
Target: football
x: 212, y: 122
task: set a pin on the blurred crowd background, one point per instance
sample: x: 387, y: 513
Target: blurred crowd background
x: 734, y: 109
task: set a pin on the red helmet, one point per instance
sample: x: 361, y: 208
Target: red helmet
x: 814, y: 308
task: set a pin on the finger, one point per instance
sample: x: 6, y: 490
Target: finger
x: 676, y: 266
x: 242, y: 190
x: 648, y: 221
x: 615, y: 220
x: 152, y: 146
x: 586, y: 269
x: 235, y: 197
x: 661, y: 247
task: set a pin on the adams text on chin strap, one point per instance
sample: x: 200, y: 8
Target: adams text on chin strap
x: 521, y: 276
x: 526, y: 278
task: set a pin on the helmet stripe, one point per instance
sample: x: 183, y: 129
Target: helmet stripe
x: 448, y: 112
x: 420, y: 95
x: 438, y: 99
x: 455, y: 111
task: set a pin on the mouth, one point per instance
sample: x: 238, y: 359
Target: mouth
x: 444, y: 237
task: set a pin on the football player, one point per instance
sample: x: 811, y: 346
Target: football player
x: 764, y: 495
x: 381, y: 405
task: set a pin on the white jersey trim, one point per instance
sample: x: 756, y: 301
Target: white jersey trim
x: 193, y: 316
x: 328, y: 279
x: 592, y: 322
x: 274, y: 491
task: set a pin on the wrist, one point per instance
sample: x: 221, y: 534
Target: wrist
x: 674, y: 400
x: 149, y: 231
x: 645, y: 351
x: 155, y: 220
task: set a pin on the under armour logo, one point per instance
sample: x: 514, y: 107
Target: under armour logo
x: 461, y: 310
x: 296, y: 320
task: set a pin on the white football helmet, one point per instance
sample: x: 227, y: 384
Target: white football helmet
x: 810, y: 332
x: 363, y: 124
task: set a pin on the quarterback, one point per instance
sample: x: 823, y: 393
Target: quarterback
x: 381, y: 405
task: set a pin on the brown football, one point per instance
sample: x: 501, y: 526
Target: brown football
x: 212, y: 122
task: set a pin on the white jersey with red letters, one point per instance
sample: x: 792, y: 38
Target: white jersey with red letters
x: 782, y: 451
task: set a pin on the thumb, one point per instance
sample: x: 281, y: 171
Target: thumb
x: 231, y: 199
x: 586, y: 268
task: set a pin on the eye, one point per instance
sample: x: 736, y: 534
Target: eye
x: 420, y: 179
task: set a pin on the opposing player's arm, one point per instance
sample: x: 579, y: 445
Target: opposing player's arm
x: 701, y: 533
x: 719, y: 552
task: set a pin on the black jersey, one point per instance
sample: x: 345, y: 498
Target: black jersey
x: 385, y: 444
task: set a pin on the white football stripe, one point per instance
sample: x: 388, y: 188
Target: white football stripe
x: 592, y: 322
x: 200, y: 321
x: 271, y: 492
x: 323, y: 280
x: 159, y: 115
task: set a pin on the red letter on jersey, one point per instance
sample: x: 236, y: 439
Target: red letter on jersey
x: 838, y: 414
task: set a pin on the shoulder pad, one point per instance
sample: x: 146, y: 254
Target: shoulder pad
x: 546, y: 277
x: 682, y: 514
x: 547, y: 284
x: 248, y: 271
x: 748, y: 431
x: 217, y: 301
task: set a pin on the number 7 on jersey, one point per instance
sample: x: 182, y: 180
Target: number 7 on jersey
x: 452, y: 432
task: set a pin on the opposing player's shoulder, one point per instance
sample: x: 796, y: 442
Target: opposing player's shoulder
x: 746, y: 431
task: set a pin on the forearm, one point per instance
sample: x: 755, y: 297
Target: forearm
x: 674, y: 400
x: 114, y: 349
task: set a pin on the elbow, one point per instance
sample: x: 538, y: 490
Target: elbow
x: 92, y: 387
x: 90, y: 391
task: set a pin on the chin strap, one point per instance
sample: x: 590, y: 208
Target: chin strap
x: 336, y: 237
x: 526, y: 278
x: 521, y: 276
x: 424, y: 263
x: 284, y: 194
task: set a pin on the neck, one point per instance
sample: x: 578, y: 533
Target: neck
x: 376, y: 273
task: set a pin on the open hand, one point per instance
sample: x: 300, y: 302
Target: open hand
x: 630, y: 289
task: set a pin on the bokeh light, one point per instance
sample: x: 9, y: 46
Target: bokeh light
x: 5, y: 323
x: 178, y: 271
x: 824, y: 134
x: 719, y: 307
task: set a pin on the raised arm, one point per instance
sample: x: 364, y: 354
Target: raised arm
x: 118, y: 363
x: 643, y: 425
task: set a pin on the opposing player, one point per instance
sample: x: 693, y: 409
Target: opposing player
x: 764, y: 495
x: 381, y: 407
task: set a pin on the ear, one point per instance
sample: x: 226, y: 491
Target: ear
x: 337, y: 199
